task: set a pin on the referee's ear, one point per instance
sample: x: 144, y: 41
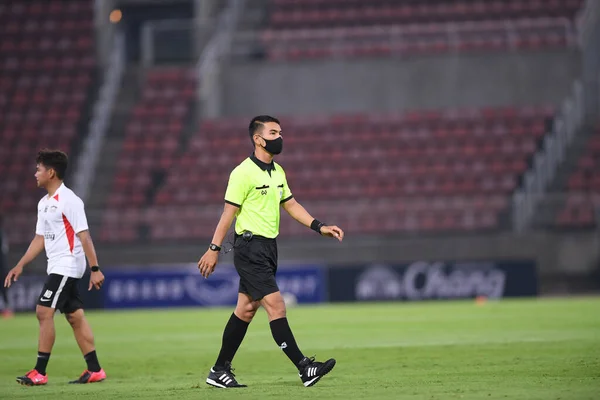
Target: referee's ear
x: 253, y: 142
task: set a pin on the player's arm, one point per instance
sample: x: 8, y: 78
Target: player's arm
x: 299, y: 213
x: 96, y: 277
x: 75, y: 213
x: 35, y: 248
x: 88, y: 247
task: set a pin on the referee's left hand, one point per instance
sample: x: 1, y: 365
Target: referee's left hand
x: 207, y: 263
x: 332, y: 231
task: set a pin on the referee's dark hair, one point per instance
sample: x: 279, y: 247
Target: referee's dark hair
x: 258, y: 122
x: 55, y: 159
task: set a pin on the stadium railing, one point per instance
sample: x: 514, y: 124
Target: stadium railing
x: 568, y: 121
x: 99, y: 124
x: 449, y: 37
x: 208, y: 62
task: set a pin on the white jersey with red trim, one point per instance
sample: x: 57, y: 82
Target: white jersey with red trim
x: 60, y: 218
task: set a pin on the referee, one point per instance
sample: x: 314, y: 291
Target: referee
x: 256, y: 189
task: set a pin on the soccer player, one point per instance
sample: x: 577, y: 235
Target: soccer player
x: 6, y: 310
x: 256, y: 190
x: 63, y: 231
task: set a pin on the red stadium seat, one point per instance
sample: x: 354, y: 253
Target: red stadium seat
x: 451, y: 178
x: 36, y: 106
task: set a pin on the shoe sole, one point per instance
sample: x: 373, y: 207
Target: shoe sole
x: 318, y: 378
x: 84, y: 383
x: 218, y: 385
x: 25, y: 383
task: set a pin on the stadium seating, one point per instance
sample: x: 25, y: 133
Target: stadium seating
x: 429, y: 171
x: 308, y: 13
x: 152, y: 138
x: 583, y: 198
x: 47, y: 66
x: 300, y: 29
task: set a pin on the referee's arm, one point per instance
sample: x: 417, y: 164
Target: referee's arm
x: 300, y: 214
x: 207, y: 263
x: 224, y: 223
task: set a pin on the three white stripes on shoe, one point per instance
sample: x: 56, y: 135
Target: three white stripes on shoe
x: 226, y: 379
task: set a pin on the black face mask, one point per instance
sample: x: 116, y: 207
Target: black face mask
x: 274, y: 146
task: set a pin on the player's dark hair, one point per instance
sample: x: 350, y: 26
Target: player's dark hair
x: 258, y: 122
x: 55, y: 159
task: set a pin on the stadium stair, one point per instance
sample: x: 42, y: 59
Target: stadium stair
x: 549, y: 208
x: 127, y: 98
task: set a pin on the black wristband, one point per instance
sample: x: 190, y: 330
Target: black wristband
x: 95, y: 268
x: 214, y: 247
x: 316, y: 226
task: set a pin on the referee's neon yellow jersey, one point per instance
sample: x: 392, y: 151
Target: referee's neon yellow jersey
x: 258, y: 189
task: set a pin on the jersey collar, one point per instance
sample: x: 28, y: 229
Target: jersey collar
x: 55, y: 195
x: 262, y: 165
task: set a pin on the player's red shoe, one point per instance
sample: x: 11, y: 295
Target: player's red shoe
x: 91, y: 377
x: 7, y: 314
x: 33, y: 378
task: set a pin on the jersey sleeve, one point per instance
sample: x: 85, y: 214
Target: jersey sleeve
x: 237, y: 188
x: 287, y: 192
x: 75, y: 213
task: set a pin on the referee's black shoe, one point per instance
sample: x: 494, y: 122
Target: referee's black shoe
x: 312, y: 371
x: 223, y: 377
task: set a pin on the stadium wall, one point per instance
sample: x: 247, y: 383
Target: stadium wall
x: 426, y: 82
x: 558, y: 256
x: 359, y: 269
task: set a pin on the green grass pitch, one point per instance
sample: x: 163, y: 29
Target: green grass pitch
x: 511, y: 349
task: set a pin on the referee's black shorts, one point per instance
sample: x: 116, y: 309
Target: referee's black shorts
x: 61, y: 292
x: 256, y: 263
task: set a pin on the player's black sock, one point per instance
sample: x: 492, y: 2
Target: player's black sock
x: 42, y: 362
x: 285, y: 340
x: 91, y: 359
x: 234, y: 333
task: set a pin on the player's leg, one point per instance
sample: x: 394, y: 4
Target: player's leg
x: 221, y: 374
x: 73, y: 310
x: 45, y: 316
x: 50, y: 298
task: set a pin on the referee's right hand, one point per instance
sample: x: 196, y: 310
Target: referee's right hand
x: 207, y: 263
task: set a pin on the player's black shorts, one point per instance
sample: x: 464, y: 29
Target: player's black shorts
x: 256, y: 263
x: 61, y: 292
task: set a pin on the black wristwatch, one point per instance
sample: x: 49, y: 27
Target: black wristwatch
x: 95, y: 268
x: 214, y: 247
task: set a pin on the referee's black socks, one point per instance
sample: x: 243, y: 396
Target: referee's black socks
x: 234, y: 333
x: 285, y: 340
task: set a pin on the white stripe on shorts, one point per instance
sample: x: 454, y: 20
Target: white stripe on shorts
x: 58, y: 292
